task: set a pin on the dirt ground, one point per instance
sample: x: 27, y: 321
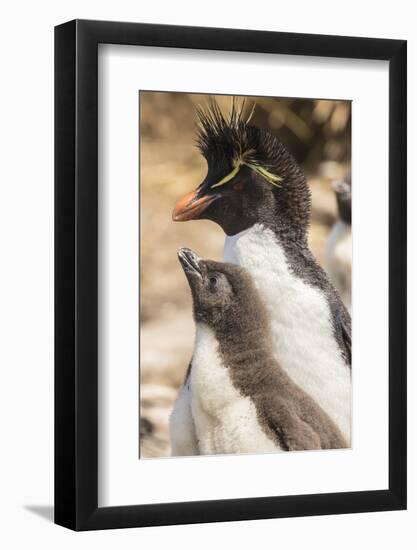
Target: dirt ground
x: 170, y: 165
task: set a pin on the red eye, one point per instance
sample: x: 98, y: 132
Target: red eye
x: 238, y: 186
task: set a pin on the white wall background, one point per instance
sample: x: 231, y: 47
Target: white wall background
x: 26, y: 273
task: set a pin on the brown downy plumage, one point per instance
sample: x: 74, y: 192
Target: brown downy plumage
x: 226, y: 300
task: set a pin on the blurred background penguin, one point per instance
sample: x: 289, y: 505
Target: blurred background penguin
x: 339, y: 243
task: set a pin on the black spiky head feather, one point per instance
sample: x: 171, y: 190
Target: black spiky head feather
x: 235, y: 149
x: 230, y: 142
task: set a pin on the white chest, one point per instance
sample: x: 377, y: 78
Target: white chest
x: 225, y: 421
x: 301, y: 326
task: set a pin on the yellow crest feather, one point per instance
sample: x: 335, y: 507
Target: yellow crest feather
x: 269, y: 176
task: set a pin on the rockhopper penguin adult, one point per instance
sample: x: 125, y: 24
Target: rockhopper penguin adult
x: 255, y: 190
x: 241, y: 400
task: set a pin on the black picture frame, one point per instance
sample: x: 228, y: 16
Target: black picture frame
x: 76, y: 272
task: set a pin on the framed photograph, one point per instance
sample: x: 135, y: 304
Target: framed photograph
x: 230, y: 253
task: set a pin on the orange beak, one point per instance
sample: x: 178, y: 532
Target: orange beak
x: 189, y: 207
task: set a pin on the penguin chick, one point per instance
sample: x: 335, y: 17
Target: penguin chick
x: 242, y: 401
x: 339, y: 243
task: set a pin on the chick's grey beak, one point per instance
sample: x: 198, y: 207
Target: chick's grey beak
x: 189, y: 261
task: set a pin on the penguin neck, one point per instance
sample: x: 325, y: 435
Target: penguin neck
x: 236, y: 245
x: 289, y: 225
x: 246, y: 354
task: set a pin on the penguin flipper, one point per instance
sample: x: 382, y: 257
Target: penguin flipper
x: 303, y: 426
x: 292, y: 433
x: 347, y: 339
